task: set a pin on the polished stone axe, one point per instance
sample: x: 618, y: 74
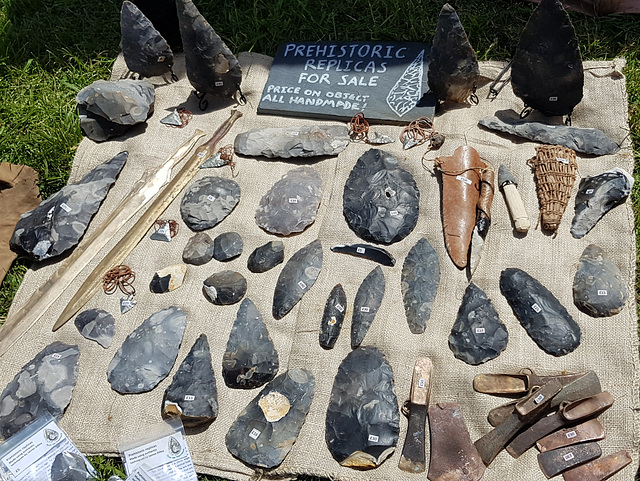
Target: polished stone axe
x: 555, y: 462
x: 600, y: 469
x: 413, y: 458
x: 453, y: 455
x: 570, y: 414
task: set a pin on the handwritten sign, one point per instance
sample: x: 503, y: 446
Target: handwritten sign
x: 385, y: 80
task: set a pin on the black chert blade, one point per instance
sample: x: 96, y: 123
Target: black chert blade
x: 211, y: 66
x: 366, y: 251
x: 250, y: 359
x: 145, y: 51
x: 148, y: 353
x: 381, y: 199
x: 265, y: 431
x: 596, y: 196
x: 547, y: 68
x: 366, y: 305
x: 59, y: 222
x: 362, y: 424
x: 296, y: 278
x: 192, y: 394
x: 419, y: 284
x: 477, y: 335
x: 266, y: 257
x: 333, y: 316
x: 598, y: 286
x: 546, y: 320
x: 44, y: 384
x: 453, y: 69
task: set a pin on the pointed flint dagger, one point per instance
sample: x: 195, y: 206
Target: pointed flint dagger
x: 413, y: 459
x: 508, y: 183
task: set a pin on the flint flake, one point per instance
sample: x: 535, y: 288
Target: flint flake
x: 199, y: 249
x: 168, y: 279
x: 224, y: 288
x: 148, y: 353
x: 227, y: 246
x: 266, y: 257
x: 96, y: 325
x: 366, y: 305
x: 250, y: 359
x: 419, y: 284
x: 598, y: 286
x: 70, y: 466
x: 44, y: 384
x: 208, y: 202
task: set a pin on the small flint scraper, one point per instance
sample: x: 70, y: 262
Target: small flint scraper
x: 512, y: 197
x: 413, y: 458
x: 554, y: 462
x: 600, y: 469
x: 453, y: 455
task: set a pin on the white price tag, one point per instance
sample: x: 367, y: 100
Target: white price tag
x: 254, y: 433
x: 201, y: 154
x: 562, y: 160
x: 571, y: 434
x: 293, y: 200
x: 536, y: 307
x: 219, y: 83
x: 553, y: 99
x: 56, y: 355
x: 602, y: 292
x: 360, y: 250
x: 589, y: 191
x: 479, y: 330
x: 364, y: 309
x: 464, y: 179
x: 394, y: 213
x: 568, y: 457
x: 373, y: 438
x: 65, y: 207
x: 539, y: 398
x: 339, y: 307
x: 189, y: 397
x: 211, y: 198
x: 302, y: 285
x: 422, y: 382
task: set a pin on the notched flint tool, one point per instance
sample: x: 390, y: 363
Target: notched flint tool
x: 569, y: 414
x: 494, y: 441
x: 555, y: 462
x: 517, y: 384
x: 453, y: 456
x: 600, y: 469
x: 509, y: 186
x: 591, y: 430
x: 413, y: 458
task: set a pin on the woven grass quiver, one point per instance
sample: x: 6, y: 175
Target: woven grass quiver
x: 555, y: 170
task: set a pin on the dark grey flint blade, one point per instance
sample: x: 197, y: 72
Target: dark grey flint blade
x: 211, y: 66
x: 381, y: 199
x: 598, y: 286
x: 477, y: 335
x: 419, y: 284
x: 145, y: 51
x: 265, y: 431
x: 547, y: 69
x: 580, y: 139
x: 266, y: 257
x: 291, y: 205
x: 366, y: 305
x: 192, y: 394
x: 546, y: 320
x: 453, y: 69
x: 44, y: 384
x: 596, y: 196
x: 250, y: 359
x: 298, y: 275
x: 366, y: 251
x: 59, y: 222
x: 333, y: 316
x: 362, y: 424
x: 148, y: 353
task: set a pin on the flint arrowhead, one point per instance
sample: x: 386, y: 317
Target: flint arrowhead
x: 250, y: 359
x: 96, y: 325
x: 266, y: 257
x: 598, y: 286
x: 546, y: 320
x: 290, y: 206
x: 192, y: 394
x: 266, y: 430
x: 148, y: 353
x: 381, y: 199
x: 419, y: 284
x: 362, y: 424
x: 224, y: 288
x: 366, y: 305
x: 44, y: 384
x: 296, y: 278
x: 453, y: 71
x: 227, y: 246
x: 596, y: 196
x: 145, y: 51
x: 211, y: 66
x: 477, y: 335
x: 59, y: 222
x: 208, y: 202
x: 199, y: 249
x: 333, y: 316
x: 547, y: 69
x: 285, y: 143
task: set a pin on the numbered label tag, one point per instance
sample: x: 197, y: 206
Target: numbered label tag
x: 571, y: 434
x: 293, y: 200
x: 201, y: 154
x: 302, y: 285
x: 339, y: 307
x: 568, y: 457
x: 394, y: 213
x: 65, y: 207
x: 360, y: 250
x: 254, y: 433
x: 189, y: 397
x: 364, y: 309
x: 479, y: 330
x: 589, y: 191
x: 464, y: 179
x: 553, y: 99
x: 373, y: 438
x: 562, y: 160
x: 211, y: 198
x: 219, y: 83
x: 539, y: 398
x: 602, y: 292
x: 536, y: 307
x: 56, y: 355
x: 422, y: 382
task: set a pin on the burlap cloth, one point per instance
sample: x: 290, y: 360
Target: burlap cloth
x: 98, y: 417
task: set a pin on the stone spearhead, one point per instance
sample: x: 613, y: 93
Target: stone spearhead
x: 419, y: 284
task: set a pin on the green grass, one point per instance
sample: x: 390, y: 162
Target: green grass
x: 49, y: 49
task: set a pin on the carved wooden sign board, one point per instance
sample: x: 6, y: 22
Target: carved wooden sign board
x: 336, y: 80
